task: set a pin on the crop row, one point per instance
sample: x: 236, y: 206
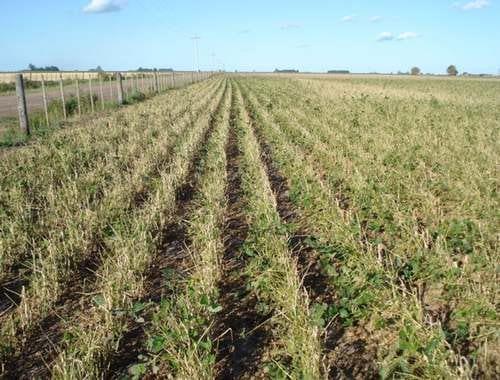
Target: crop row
x: 405, y: 257
x: 256, y: 228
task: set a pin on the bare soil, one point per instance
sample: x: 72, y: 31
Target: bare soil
x: 240, y: 329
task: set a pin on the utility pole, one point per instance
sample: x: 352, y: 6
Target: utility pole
x: 196, y: 53
x: 213, y: 61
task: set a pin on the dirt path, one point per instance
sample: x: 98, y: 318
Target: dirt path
x: 34, y: 99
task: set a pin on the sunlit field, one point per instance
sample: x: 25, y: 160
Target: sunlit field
x: 298, y: 226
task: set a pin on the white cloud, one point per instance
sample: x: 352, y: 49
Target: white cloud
x: 388, y: 36
x: 347, y: 18
x: 385, y: 36
x: 475, y: 4
x: 103, y: 6
x: 289, y: 26
x: 375, y: 18
x: 407, y: 36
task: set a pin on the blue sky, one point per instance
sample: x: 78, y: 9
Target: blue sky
x: 314, y: 35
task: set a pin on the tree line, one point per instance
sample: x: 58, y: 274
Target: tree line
x: 99, y: 69
x: 451, y: 70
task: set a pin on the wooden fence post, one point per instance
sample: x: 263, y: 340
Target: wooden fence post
x: 61, y: 88
x: 173, y: 79
x: 78, y: 100
x: 101, y: 91
x: 155, y: 77
x: 110, y: 82
x: 91, y: 93
x: 119, y: 86
x: 45, y: 105
x: 125, y: 86
x: 21, y: 105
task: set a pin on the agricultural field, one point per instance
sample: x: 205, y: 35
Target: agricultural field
x: 281, y: 227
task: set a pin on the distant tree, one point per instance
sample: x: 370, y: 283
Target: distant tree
x: 415, y: 71
x: 452, y: 70
x: 97, y: 69
x: 32, y: 67
x: 286, y: 71
x: 338, y: 72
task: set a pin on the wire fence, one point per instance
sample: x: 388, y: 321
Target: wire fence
x: 45, y: 98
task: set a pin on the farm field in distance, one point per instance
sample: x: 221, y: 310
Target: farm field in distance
x: 259, y: 226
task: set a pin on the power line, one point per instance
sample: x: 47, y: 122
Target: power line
x: 196, y: 52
